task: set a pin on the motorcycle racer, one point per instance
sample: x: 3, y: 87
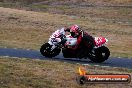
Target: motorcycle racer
x: 77, y: 36
x: 88, y: 47
x: 76, y: 32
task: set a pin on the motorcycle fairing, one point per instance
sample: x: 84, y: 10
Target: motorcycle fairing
x: 70, y: 40
x: 100, y: 41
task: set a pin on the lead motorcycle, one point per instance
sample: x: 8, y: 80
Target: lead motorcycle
x: 98, y: 54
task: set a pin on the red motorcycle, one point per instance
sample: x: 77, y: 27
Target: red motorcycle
x: 98, y: 54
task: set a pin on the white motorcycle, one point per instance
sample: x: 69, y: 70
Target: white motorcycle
x: 98, y: 54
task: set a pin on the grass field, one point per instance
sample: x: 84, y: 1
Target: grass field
x: 28, y: 24
x: 27, y: 73
x: 28, y: 29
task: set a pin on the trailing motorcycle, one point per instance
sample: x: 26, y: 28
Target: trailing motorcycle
x: 98, y: 54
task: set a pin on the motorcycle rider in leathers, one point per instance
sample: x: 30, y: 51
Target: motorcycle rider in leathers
x: 76, y: 32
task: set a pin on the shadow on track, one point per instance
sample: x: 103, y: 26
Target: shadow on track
x: 34, y: 54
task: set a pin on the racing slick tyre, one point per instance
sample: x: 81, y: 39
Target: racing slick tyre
x: 45, y: 50
x: 101, y: 54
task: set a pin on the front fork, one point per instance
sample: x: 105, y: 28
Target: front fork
x: 52, y: 46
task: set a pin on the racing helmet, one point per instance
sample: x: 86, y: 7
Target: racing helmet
x: 74, y: 30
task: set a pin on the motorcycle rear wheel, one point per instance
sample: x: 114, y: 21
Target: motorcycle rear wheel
x: 101, y: 54
x: 45, y: 50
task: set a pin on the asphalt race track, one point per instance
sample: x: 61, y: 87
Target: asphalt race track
x: 34, y: 54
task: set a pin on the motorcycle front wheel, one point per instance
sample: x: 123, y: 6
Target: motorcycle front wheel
x: 46, y: 51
